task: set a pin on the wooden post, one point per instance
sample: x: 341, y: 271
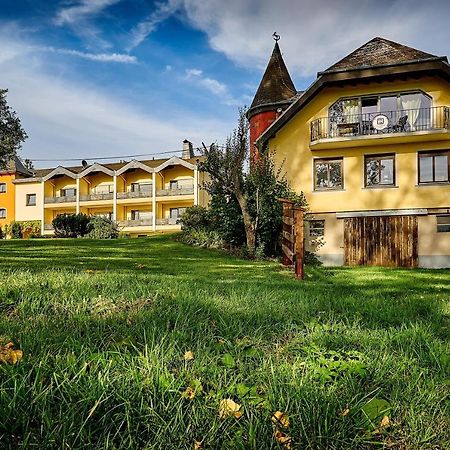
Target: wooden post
x: 299, y: 243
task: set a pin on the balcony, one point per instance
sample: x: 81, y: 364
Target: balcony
x: 135, y: 223
x: 96, y: 197
x: 380, y: 124
x: 185, y: 190
x: 135, y: 194
x: 167, y: 221
x: 62, y: 199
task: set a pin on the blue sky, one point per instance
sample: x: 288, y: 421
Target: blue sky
x: 97, y: 78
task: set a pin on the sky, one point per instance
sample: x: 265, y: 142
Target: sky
x: 114, y: 78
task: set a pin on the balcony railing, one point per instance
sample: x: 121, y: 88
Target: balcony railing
x: 185, y: 190
x: 167, y: 221
x: 405, y: 121
x: 135, y: 223
x: 65, y: 199
x: 94, y: 197
x: 48, y: 227
x: 136, y: 194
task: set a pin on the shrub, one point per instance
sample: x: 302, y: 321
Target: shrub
x: 102, y: 228
x: 70, y: 225
x: 1, y: 233
x: 195, y: 217
x: 202, y: 238
x: 15, y: 230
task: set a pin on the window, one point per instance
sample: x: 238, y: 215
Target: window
x: 2, y: 213
x: 328, y: 174
x: 31, y: 199
x: 176, y: 213
x: 135, y: 214
x: 70, y: 192
x: 379, y: 170
x: 433, y: 167
x: 2, y: 188
x: 173, y: 184
x: 443, y: 224
x: 103, y: 189
x: 141, y: 187
x: 316, y: 228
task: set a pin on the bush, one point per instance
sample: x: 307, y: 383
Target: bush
x: 195, y: 218
x: 70, y: 225
x: 16, y: 230
x: 1, y: 233
x: 102, y: 228
x: 202, y: 238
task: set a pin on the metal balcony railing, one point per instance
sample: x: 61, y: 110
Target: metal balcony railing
x: 135, y: 223
x: 185, y: 190
x: 379, y: 123
x: 137, y: 194
x: 167, y: 221
x: 93, y: 197
x: 65, y: 199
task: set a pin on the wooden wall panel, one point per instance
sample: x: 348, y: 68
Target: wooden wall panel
x: 381, y: 241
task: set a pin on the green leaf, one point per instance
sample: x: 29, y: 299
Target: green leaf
x: 373, y: 411
x: 228, y: 360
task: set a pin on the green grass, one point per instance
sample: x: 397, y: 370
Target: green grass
x: 104, y: 338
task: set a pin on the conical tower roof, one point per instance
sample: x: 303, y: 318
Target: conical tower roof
x: 276, y: 84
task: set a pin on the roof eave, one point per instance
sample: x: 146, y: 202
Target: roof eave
x: 439, y: 64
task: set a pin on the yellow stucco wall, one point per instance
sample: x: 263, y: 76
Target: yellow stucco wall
x: 7, y: 199
x: 292, y: 150
x: 24, y: 212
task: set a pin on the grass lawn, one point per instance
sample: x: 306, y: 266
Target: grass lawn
x: 104, y: 327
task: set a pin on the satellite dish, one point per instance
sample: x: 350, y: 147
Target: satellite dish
x: 84, y: 163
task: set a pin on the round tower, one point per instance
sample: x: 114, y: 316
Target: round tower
x: 275, y: 93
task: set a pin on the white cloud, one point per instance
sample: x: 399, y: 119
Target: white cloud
x: 81, y: 10
x: 162, y: 12
x: 78, y: 17
x: 101, y: 57
x: 316, y: 33
x: 214, y: 86
x: 67, y: 119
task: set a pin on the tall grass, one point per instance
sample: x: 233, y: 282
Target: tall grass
x: 104, y: 327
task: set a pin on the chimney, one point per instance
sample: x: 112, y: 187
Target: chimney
x: 188, y: 150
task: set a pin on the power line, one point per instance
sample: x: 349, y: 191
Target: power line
x: 112, y: 157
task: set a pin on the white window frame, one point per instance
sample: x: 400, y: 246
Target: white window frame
x: 6, y: 188
x: 6, y: 213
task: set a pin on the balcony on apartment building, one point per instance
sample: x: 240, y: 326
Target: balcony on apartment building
x: 66, y: 196
x: 177, y: 187
x: 342, y: 127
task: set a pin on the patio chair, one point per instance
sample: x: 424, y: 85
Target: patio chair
x: 401, y: 124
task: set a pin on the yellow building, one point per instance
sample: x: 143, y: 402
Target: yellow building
x: 368, y: 143
x: 141, y: 196
x: 13, y: 170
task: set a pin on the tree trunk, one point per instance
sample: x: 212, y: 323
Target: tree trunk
x: 250, y: 231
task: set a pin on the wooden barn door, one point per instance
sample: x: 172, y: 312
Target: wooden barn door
x: 381, y: 241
